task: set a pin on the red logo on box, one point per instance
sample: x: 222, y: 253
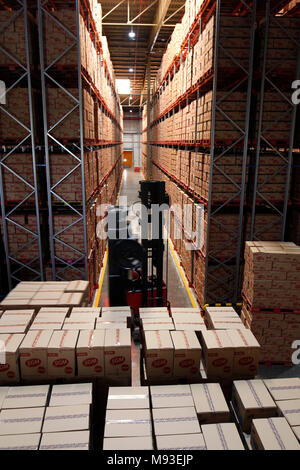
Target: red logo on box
x: 115, y: 361
x: 4, y: 367
x: 10, y: 374
x: 98, y: 369
x: 167, y: 370
x: 219, y: 362
x: 90, y: 362
x: 41, y: 370
x: 68, y: 370
x: 125, y: 367
x: 33, y: 362
x: 245, y: 361
x: 60, y: 362
x: 159, y: 363
x: 187, y: 363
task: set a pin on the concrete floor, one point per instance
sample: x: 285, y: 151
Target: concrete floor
x: 177, y: 293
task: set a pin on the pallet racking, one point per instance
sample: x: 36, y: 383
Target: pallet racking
x: 80, y: 145
x: 211, y: 144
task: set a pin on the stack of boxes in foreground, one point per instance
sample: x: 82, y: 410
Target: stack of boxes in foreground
x: 271, y: 292
x: 54, y: 337
x: 40, y: 417
x: 257, y: 416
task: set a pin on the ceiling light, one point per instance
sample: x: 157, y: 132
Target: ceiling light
x: 131, y: 34
x: 123, y: 86
x: 130, y: 110
x: 130, y: 97
x: 131, y: 70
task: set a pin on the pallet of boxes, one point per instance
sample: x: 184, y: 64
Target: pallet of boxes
x: 49, y: 343
x: 41, y: 417
x: 271, y: 298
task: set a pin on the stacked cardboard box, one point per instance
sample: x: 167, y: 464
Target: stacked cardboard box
x: 136, y: 432
x: 251, y: 399
x: 46, y: 294
x: 271, y: 297
x: 31, y: 420
x: 128, y: 419
x: 273, y: 434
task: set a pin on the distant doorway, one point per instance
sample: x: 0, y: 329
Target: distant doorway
x: 127, y: 158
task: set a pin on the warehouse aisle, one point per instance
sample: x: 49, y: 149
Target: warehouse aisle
x: 177, y: 292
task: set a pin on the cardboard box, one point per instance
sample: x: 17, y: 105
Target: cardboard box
x: 117, y: 353
x: 284, y: 389
x: 181, y: 420
x: 222, y: 436
x: 121, y: 315
x: 3, y: 392
x: 154, y: 315
x: 153, y: 309
x: 89, y: 311
x: 128, y: 443
x: 57, y: 312
x: 74, y: 324
x: 119, y: 324
x: 159, y: 354
x: 21, y: 421
x: 210, y: 403
x: 152, y: 324
x: 87, y: 317
x: 171, y: 396
x: 9, y: 372
x: 273, y: 434
x: 9, y: 326
x: 72, y: 299
x: 90, y: 353
x: 71, y: 394
x: 61, y: 354
x: 119, y: 309
x: 67, y: 418
x: 72, y: 440
x: 26, y: 315
x: 33, y: 354
x: 251, y: 399
x: 20, y: 442
x: 187, y: 353
x: 217, y: 354
x: 290, y: 409
x: 181, y: 442
x: 127, y: 423
x: 246, y: 353
x: 44, y: 323
x: 126, y: 398
x: 31, y: 396
x: 77, y: 286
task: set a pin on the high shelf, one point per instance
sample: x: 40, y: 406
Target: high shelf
x: 79, y: 117
x: 222, y: 134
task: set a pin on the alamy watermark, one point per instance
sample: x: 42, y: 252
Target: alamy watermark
x: 296, y: 354
x: 183, y: 222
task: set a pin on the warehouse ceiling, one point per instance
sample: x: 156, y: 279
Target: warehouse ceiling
x: 153, y: 22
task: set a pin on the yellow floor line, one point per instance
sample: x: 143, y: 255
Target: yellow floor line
x: 182, y: 275
x: 97, y: 298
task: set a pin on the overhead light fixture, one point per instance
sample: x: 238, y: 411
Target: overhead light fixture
x: 130, y: 97
x: 131, y: 34
x: 131, y: 70
x: 123, y: 86
x: 130, y: 110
